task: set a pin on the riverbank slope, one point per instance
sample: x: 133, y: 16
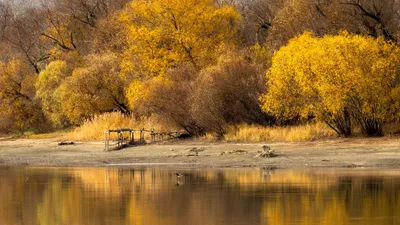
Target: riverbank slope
x: 329, y: 153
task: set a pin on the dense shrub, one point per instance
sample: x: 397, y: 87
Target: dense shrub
x: 228, y: 94
x: 205, y: 101
x: 167, y: 96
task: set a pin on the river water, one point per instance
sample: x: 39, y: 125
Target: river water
x: 155, y: 196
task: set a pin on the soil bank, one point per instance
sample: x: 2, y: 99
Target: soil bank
x: 332, y: 153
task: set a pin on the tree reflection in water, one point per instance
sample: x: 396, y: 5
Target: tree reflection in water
x: 75, y: 196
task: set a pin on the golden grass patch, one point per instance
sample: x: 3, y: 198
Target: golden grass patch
x: 256, y: 133
x: 93, y: 129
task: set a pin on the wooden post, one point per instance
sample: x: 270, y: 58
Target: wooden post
x: 131, y: 136
x: 142, y: 135
x: 106, y: 140
x: 120, y: 138
x: 153, y: 136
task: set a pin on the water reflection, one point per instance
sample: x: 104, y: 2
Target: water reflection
x: 75, y: 196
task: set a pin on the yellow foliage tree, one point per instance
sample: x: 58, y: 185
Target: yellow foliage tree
x: 17, y: 97
x: 163, y: 34
x: 47, y: 90
x: 93, y: 89
x: 336, y: 78
x: 49, y: 81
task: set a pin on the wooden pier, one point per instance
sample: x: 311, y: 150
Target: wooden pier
x: 126, y: 137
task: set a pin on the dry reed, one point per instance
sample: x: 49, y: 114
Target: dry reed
x: 253, y: 133
x: 93, y: 129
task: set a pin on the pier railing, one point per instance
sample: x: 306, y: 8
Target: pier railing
x: 125, y: 137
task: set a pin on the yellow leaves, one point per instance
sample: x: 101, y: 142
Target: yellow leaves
x: 141, y: 92
x: 136, y: 92
x: 47, y: 89
x: 94, y: 88
x: 53, y: 74
x: 165, y: 34
x: 332, y: 73
x: 261, y: 55
x: 17, y: 92
x: 74, y: 90
x: 16, y: 81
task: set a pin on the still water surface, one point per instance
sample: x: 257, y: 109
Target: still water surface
x: 155, y: 196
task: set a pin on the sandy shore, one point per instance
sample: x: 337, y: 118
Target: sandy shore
x: 354, y: 152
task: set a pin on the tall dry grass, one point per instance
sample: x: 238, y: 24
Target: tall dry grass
x: 256, y: 133
x: 93, y: 129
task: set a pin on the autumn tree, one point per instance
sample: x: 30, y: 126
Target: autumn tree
x: 95, y: 88
x: 23, y: 38
x: 109, y: 36
x: 164, y: 34
x: 168, y: 96
x: 18, y: 105
x: 227, y: 94
x: 61, y: 31
x: 48, y: 92
x: 208, y: 100
x: 374, y: 17
x: 74, y: 24
x: 258, y: 18
x: 275, y: 22
x: 294, y: 17
x: 336, y: 78
x: 88, y: 12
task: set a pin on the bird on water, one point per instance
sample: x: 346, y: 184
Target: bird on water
x: 179, y: 174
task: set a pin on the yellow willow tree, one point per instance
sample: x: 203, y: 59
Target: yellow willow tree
x: 164, y: 34
x: 49, y: 80
x: 47, y: 90
x: 336, y: 78
x: 95, y: 88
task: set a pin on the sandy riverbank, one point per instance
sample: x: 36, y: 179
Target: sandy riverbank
x: 353, y: 152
